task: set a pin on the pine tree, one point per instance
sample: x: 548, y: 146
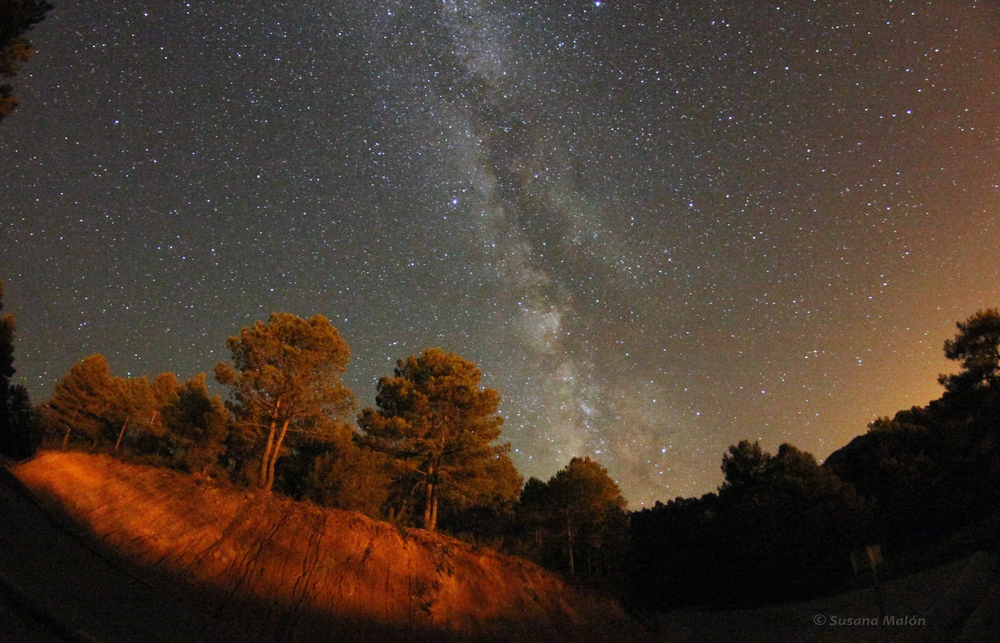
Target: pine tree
x: 17, y: 17
x: 285, y: 376
x: 82, y: 406
x: 196, y: 423
x: 438, y: 426
x: 16, y: 417
x: 580, y: 506
x: 977, y: 348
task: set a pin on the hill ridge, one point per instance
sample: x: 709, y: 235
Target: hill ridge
x: 296, y: 571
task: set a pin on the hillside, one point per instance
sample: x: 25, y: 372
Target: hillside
x: 54, y: 587
x: 276, y: 569
x: 137, y: 553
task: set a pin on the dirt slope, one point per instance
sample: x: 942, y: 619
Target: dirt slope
x: 177, y: 560
x: 53, y: 587
x: 291, y: 571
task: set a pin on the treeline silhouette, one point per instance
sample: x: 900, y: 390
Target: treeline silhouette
x: 780, y: 527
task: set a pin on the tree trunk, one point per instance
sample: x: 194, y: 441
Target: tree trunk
x: 69, y: 427
x: 433, y: 471
x: 569, y: 541
x: 121, y: 434
x: 275, y: 452
x: 429, y: 494
x: 262, y: 478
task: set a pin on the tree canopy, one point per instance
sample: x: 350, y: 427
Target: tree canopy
x: 83, y: 404
x: 285, y: 376
x: 197, y: 423
x: 438, y: 426
x: 780, y: 528
x: 579, y: 509
x: 350, y: 477
x: 977, y: 348
x: 17, y: 17
x: 16, y: 416
x: 744, y: 465
x: 164, y: 421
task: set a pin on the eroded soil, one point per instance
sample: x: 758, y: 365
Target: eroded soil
x: 128, y: 553
x: 290, y: 571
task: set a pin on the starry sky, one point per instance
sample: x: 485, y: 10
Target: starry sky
x: 657, y: 227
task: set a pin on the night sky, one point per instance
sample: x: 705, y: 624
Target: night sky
x: 657, y: 227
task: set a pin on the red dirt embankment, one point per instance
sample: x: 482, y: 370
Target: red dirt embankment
x: 293, y: 571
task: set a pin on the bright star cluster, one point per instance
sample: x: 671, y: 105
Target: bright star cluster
x: 658, y: 228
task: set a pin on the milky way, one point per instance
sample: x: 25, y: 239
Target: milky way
x: 564, y: 277
x: 657, y: 227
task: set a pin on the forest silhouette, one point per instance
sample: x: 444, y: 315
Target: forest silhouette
x: 780, y: 527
